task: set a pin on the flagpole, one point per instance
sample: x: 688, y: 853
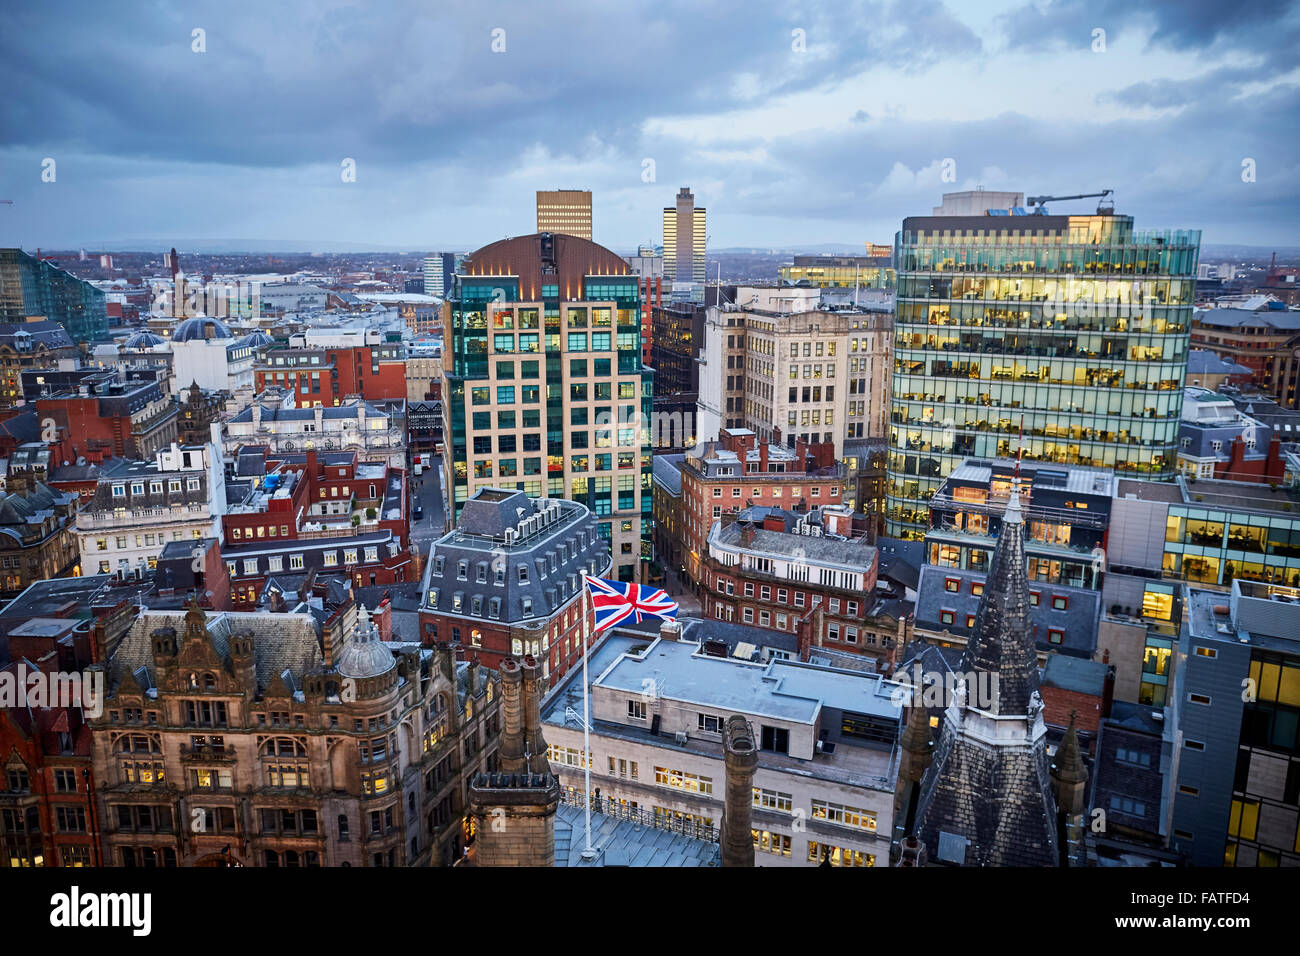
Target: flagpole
x: 589, y: 853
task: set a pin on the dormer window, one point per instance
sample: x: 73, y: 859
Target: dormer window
x: 523, y: 574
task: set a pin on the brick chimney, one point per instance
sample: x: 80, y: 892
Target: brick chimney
x: 762, y: 457
x: 741, y: 758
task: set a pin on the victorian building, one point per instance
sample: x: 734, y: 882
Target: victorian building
x: 245, y: 739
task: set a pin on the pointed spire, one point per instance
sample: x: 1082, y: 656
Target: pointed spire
x: 1002, y: 639
x: 1068, y: 771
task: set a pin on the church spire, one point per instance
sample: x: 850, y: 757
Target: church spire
x: 1002, y: 639
x: 987, y: 798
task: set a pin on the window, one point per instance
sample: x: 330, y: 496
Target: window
x: 773, y: 800
x: 711, y: 723
x: 844, y: 815
x: 1060, y: 602
x: 776, y: 739
x: 837, y: 856
x: 678, y: 780
x: 769, y: 842
x: 636, y: 709
x: 947, y: 617
x: 1055, y: 635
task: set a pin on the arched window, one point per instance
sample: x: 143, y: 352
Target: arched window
x: 209, y: 682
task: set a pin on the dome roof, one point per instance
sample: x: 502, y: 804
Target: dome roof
x: 200, y: 328
x: 258, y: 338
x: 143, y: 340
x: 365, y: 655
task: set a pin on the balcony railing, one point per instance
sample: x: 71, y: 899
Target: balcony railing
x: 645, y: 818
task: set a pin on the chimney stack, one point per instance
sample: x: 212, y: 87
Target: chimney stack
x: 670, y: 631
x: 737, y: 816
x: 511, y: 755
x: 534, y: 745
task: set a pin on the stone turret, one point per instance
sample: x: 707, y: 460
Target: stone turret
x: 1069, y: 775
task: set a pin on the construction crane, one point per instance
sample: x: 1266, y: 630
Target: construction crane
x: 1101, y: 210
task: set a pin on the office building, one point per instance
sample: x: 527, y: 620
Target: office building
x: 566, y: 211
x: 1072, y: 328
x: 822, y: 787
x: 140, y: 506
x: 801, y: 574
x: 1263, y: 336
x: 32, y: 288
x: 105, y: 416
x: 685, y: 239
x: 439, y: 270
x: 1238, y: 693
x: 546, y: 390
x: 738, y: 470
x: 32, y: 345
x: 842, y: 272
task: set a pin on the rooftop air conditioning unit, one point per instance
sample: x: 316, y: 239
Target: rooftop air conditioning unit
x: 681, y: 738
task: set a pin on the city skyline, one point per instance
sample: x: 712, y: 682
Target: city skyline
x: 820, y: 126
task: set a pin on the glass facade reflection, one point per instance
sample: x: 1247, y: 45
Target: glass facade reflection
x: 1072, y: 327
x: 34, y: 287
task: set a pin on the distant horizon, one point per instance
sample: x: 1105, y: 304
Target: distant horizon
x: 283, y: 247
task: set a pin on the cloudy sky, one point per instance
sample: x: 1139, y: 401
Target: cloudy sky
x: 795, y: 123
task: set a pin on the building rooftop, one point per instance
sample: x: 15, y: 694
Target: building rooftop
x: 780, y: 689
x: 1262, y: 615
x: 624, y: 842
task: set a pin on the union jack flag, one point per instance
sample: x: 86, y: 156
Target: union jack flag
x: 616, y: 601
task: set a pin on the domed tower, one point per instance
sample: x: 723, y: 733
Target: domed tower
x: 365, y: 663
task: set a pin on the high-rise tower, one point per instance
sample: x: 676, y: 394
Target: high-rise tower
x: 1076, y: 324
x: 684, y: 244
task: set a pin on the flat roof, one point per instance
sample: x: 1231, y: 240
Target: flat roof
x: 781, y: 689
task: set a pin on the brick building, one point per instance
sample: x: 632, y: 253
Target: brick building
x: 740, y: 471
x: 508, y: 580
x: 47, y: 812
x: 798, y: 574
x: 320, y: 511
x: 132, y: 419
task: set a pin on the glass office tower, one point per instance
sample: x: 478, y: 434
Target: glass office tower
x: 546, y: 392
x: 31, y: 287
x: 1072, y: 327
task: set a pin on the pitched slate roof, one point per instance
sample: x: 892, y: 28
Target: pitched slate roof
x: 280, y: 642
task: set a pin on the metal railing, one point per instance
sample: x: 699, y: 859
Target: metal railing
x: 642, y: 817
